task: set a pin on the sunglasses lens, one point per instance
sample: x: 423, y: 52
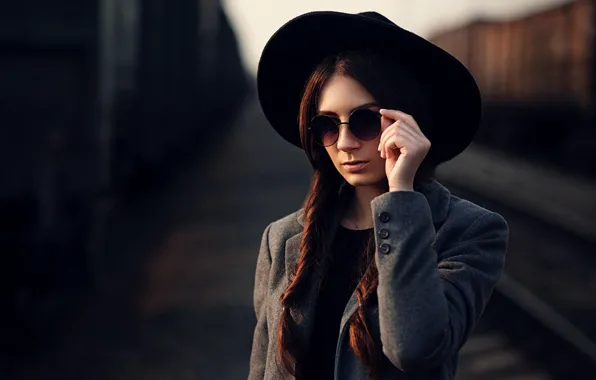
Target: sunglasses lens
x: 325, y: 130
x: 365, y: 124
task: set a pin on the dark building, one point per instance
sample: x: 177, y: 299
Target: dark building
x: 98, y: 100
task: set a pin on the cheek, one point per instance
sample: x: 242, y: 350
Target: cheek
x: 374, y: 155
x: 332, y: 153
x: 379, y: 162
x: 372, y: 150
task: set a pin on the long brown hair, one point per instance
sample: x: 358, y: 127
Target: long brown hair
x: 392, y: 88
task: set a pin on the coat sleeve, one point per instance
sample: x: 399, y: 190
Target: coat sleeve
x: 260, y: 342
x: 430, y: 301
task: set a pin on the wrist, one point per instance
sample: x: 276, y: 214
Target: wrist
x: 392, y: 189
x: 401, y: 187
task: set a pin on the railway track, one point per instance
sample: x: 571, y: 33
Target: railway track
x: 544, y: 306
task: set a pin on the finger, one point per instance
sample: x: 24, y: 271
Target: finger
x: 388, y: 132
x: 389, y: 144
x: 396, y: 143
x: 399, y: 127
x: 407, y: 129
x: 414, y: 131
x: 396, y: 115
x: 386, y: 123
x: 417, y: 140
x: 417, y: 136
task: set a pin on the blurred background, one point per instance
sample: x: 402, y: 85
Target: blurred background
x: 137, y: 174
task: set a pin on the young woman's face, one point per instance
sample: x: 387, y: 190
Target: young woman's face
x: 340, y: 96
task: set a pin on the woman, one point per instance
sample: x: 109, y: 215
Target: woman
x: 383, y: 273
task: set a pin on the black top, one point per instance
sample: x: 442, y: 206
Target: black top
x: 339, y: 282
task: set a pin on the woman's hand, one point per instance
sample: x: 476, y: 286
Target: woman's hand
x: 403, y: 146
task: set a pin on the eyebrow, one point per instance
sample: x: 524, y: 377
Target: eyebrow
x: 366, y: 105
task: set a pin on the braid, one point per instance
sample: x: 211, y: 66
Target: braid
x: 314, y: 246
x: 361, y: 339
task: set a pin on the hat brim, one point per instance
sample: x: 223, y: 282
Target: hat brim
x: 293, y: 52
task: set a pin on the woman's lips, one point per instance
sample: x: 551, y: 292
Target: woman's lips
x: 356, y: 166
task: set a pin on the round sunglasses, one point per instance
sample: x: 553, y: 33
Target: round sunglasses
x: 364, y: 123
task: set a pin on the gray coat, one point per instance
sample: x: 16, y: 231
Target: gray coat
x: 438, y: 265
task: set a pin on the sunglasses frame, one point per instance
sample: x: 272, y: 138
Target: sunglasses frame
x: 373, y: 111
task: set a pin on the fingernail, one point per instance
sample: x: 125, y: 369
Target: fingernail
x: 382, y: 110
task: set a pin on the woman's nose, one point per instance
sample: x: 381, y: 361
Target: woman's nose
x: 346, y: 140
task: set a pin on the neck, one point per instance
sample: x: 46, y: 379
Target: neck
x: 359, y: 213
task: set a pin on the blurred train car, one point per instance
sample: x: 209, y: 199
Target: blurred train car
x: 536, y: 75
x: 96, y: 97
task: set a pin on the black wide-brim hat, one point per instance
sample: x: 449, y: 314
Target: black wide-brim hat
x: 294, y: 51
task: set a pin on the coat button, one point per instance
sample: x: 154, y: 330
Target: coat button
x: 384, y: 217
x: 383, y: 234
x: 385, y: 248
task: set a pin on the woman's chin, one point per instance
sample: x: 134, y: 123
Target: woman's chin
x: 364, y: 179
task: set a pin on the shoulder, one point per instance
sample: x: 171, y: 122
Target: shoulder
x: 454, y: 214
x: 282, y: 229
x: 467, y: 220
x: 463, y: 210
